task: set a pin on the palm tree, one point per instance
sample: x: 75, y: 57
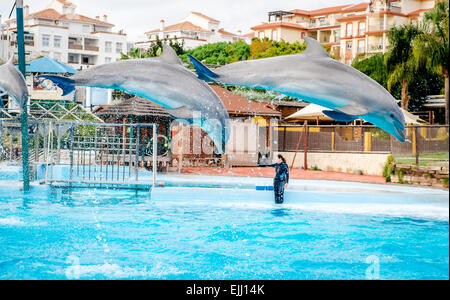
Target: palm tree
x: 400, y: 61
x: 431, y: 48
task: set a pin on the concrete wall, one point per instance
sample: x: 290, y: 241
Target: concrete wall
x: 369, y: 164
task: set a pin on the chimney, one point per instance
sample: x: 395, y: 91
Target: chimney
x: 105, y: 18
x: 162, y: 25
x: 239, y: 32
x: 26, y: 11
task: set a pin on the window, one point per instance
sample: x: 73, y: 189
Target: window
x: 361, y: 46
x: 57, y: 41
x: 73, y: 59
x: 349, y: 46
x: 107, y: 60
x: 350, y: 29
x: 86, y: 28
x: 108, y: 47
x: 45, y: 40
x: 261, y: 35
x: 362, y: 28
x: 303, y: 35
x: 118, y: 48
x: 275, y: 35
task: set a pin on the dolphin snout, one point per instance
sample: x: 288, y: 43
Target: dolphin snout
x: 400, y: 130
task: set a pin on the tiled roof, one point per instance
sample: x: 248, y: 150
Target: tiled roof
x: 181, y: 26
x: 139, y: 106
x: 136, y: 106
x: 332, y: 10
x: 278, y: 24
x: 236, y: 104
x: 222, y: 31
x: 65, y: 2
x: 52, y: 14
x: 204, y: 17
x: 357, y: 7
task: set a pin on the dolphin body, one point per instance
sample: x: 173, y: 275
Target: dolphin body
x: 162, y: 80
x: 316, y: 78
x: 13, y: 83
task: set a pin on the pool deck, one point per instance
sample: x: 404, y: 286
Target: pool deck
x: 294, y: 174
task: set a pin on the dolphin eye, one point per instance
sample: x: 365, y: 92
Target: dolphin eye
x: 391, y: 115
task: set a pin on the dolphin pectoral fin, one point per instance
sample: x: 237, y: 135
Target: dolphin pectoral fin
x: 339, y: 116
x: 202, y: 71
x: 183, y: 113
x: 352, y: 110
x: 169, y: 55
x: 64, y: 83
x: 314, y: 48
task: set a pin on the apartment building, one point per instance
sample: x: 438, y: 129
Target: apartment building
x: 195, y: 30
x: 61, y: 33
x: 349, y: 30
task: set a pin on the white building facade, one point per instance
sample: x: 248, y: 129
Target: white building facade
x: 62, y: 34
x: 195, y: 30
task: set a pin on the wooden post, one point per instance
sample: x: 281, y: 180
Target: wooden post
x: 367, y: 141
x: 332, y: 141
x: 305, y: 166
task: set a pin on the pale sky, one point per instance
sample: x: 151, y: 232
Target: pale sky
x: 139, y: 16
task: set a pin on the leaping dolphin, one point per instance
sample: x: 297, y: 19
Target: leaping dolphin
x: 315, y: 77
x: 13, y: 83
x: 162, y: 80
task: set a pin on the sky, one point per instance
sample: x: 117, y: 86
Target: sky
x: 139, y: 16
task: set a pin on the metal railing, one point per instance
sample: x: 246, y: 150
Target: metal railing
x: 360, y: 138
x: 96, y: 153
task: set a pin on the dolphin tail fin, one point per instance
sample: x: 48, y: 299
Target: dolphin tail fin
x: 202, y: 71
x: 64, y: 83
x: 339, y: 116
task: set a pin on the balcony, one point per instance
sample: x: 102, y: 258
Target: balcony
x: 91, y: 48
x: 75, y: 47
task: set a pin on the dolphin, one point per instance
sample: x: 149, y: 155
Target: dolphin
x: 315, y: 77
x: 13, y: 83
x: 163, y: 80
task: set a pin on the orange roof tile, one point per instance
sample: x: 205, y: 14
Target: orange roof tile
x: 332, y: 10
x: 357, y: 7
x: 240, y: 105
x: 278, y: 24
x: 50, y: 13
x: 204, y: 16
x: 65, y: 2
x: 222, y: 31
x: 181, y: 26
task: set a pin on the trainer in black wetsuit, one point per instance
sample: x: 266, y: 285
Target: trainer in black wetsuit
x: 281, y: 180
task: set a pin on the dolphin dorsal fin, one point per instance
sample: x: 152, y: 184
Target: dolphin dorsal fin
x: 314, y: 48
x: 169, y: 55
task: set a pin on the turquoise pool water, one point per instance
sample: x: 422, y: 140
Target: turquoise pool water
x: 326, y: 230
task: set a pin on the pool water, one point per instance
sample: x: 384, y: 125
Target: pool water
x: 341, y: 231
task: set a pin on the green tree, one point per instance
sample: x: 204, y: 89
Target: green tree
x: 423, y: 83
x: 266, y: 48
x: 400, y: 61
x: 431, y: 48
x: 154, y: 49
x: 220, y: 53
